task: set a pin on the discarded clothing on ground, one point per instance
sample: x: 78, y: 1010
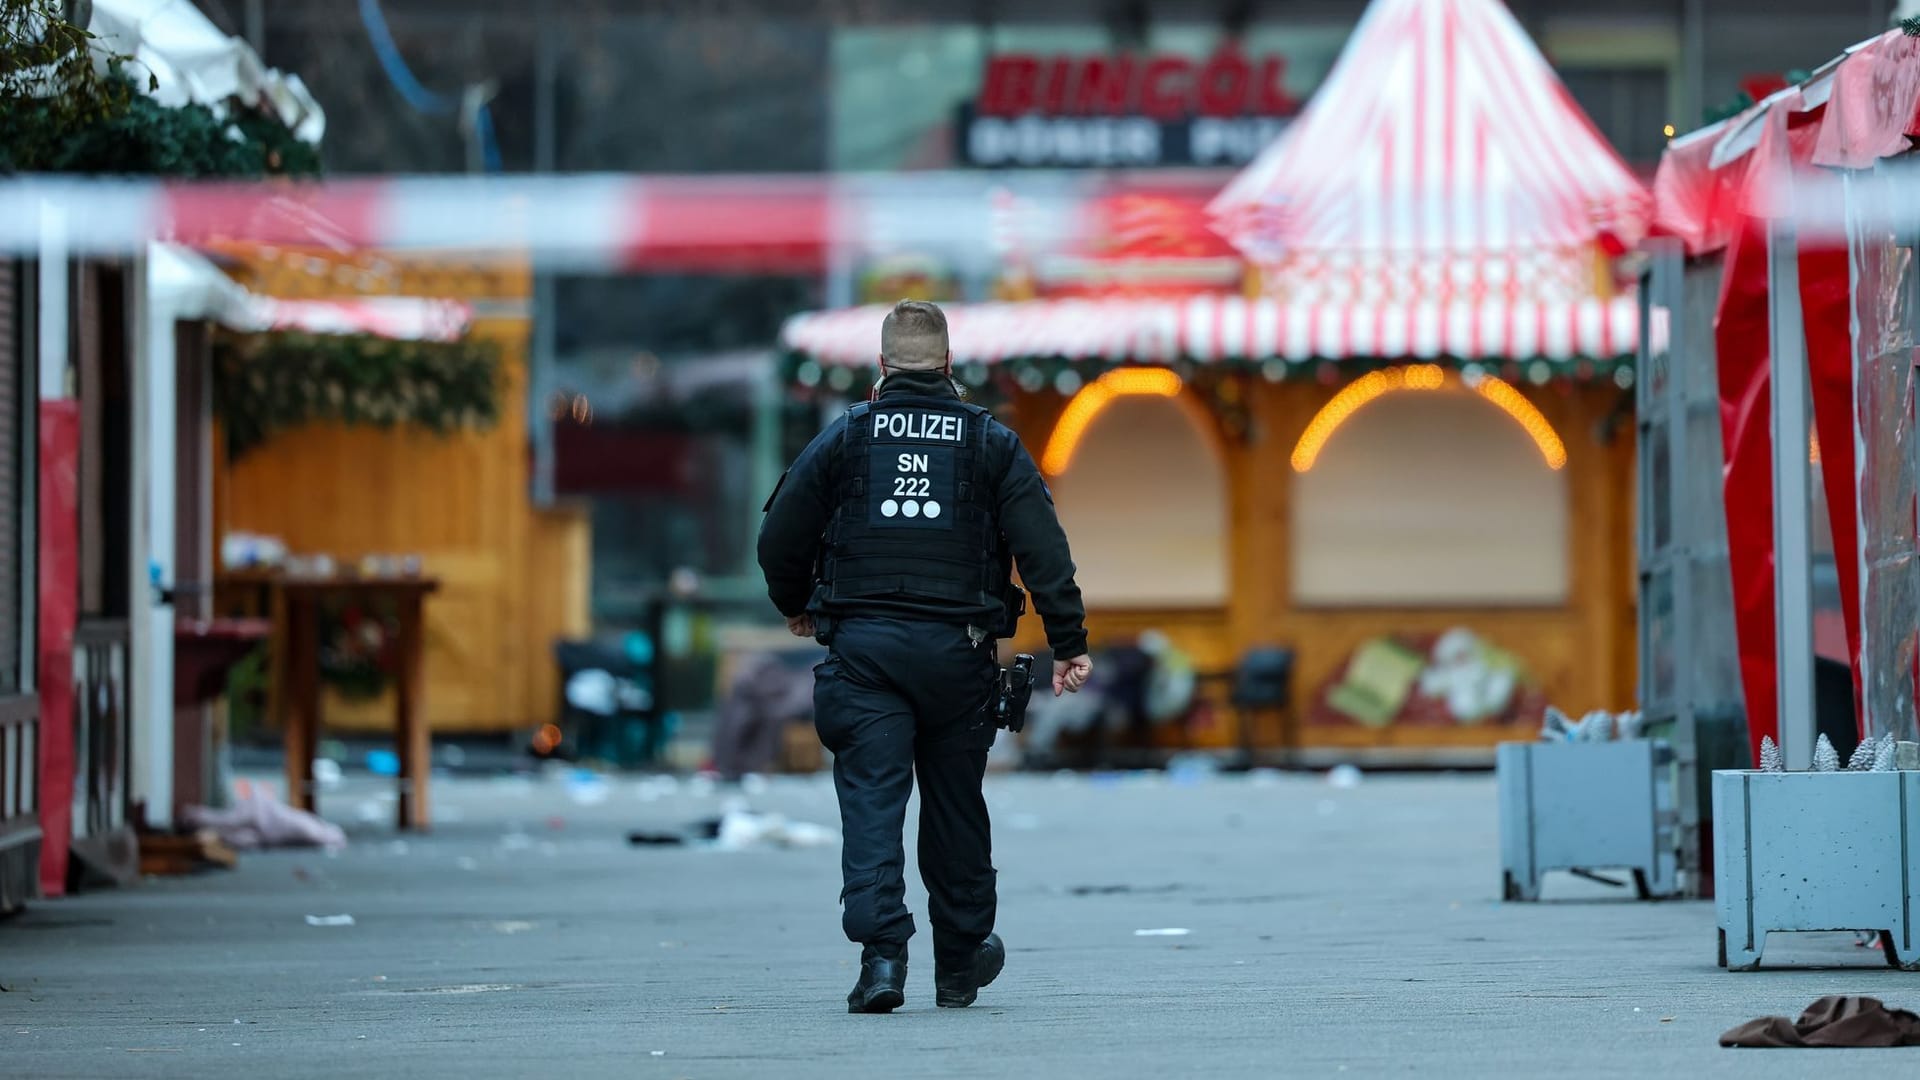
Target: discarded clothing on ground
x: 1831, y: 1022
x: 740, y: 830
x: 260, y: 821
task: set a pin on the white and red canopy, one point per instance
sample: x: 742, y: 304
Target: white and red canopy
x: 1441, y: 196
x: 1221, y: 328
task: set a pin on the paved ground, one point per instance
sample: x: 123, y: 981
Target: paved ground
x: 1331, y: 931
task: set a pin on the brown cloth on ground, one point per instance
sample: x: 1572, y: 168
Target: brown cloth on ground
x: 1831, y: 1022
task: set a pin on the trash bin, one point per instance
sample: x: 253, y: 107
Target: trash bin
x: 608, y: 710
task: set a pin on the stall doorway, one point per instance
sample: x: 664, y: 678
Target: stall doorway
x: 1430, y: 500
x: 1144, y: 503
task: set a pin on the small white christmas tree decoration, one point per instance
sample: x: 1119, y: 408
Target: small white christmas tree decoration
x: 1555, y: 726
x: 1596, y: 726
x: 1862, y: 759
x: 1770, y: 759
x: 1628, y: 725
x: 1825, y: 757
x: 1883, y: 754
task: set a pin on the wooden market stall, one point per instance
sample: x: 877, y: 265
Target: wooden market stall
x: 512, y: 578
x: 1372, y: 402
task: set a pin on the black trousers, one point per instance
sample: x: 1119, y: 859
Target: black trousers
x: 894, y: 697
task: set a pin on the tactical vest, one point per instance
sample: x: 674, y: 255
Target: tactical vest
x: 914, y: 518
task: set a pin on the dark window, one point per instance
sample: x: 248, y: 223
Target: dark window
x: 1628, y: 105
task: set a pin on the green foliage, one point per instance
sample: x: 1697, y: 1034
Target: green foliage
x: 50, y: 85
x: 147, y: 137
x: 268, y: 383
x: 66, y: 109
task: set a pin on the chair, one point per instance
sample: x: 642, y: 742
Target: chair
x: 1263, y: 682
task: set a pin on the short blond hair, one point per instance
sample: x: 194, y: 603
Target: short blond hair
x: 914, y: 337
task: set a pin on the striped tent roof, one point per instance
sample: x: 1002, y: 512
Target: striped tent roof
x: 1211, y: 328
x: 1442, y: 157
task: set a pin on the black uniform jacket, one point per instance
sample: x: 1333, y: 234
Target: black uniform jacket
x: 803, y: 504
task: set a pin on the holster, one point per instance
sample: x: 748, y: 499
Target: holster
x: 1015, y: 691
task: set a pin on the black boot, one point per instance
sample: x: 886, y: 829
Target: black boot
x: 883, y: 983
x: 956, y: 989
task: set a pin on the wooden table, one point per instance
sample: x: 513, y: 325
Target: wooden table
x: 296, y: 602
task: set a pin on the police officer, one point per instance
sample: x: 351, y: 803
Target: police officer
x: 889, y: 540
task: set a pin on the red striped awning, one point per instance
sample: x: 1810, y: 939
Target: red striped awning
x: 1229, y: 328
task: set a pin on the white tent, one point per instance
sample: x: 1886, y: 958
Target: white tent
x: 195, y: 62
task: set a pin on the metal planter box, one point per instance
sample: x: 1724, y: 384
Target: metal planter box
x: 1587, y: 806
x: 1816, y: 851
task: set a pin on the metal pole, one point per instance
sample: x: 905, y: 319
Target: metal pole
x: 1693, y: 52
x: 764, y: 465
x: 545, y: 310
x: 257, y: 27
x: 1792, y: 540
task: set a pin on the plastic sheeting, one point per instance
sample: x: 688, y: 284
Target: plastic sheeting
x: 1883, y: 284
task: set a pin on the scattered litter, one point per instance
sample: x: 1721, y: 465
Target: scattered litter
x: 1165, y: 931
x: 326, y: 772
x: 258, y: 821
x: 327, y: 920
x: 643, y: 838
x: 739, y: 829
x: 467, y: 862
x: 1666, y: 1019
x: 588, y: 788
x: 510, y: 926
x: 659, y: 1053
x: 1121, y: 890
x: 383, y: 763
x: 1191, y: 768
x: 743, y: 829
x: 1343, y: 776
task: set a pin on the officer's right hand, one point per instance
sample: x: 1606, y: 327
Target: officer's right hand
x: 800, y: 626
x: 1070, y: 675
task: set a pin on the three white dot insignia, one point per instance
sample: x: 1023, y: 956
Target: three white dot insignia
x: 909, y: 508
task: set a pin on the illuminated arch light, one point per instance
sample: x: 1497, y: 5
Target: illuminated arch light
x: 1088, y: 403
x: 1358, y: 393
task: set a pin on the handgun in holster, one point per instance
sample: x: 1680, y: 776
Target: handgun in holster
x: 1016, y: 689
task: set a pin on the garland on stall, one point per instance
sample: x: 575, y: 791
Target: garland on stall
x: 991, y: 384
x: 264, y: 384
x: 1744, y: 100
